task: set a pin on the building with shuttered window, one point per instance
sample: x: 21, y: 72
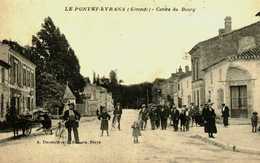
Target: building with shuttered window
x: 18, y: 82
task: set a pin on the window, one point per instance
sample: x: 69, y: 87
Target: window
x: 23, y: 103
x: 15, y: 72
x: 32, y: 79
x: 3, y: 75
x: 193, y: 69
x: 19, y: 74
x: 28, y: 103
x: 12, y: 70
x: 32, y: 104
x: 198, y: 98
x: 197, y: 69
x: 27, y: 78
x: 24, y: 76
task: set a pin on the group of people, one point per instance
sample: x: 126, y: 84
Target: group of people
x: 182, y: 118
x: 104, y: 117
x: 159, y: 115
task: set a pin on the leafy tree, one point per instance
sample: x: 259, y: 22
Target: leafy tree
x: 113, y: 77
x: 56, y: 64
x: 50, y: 91
x: 59, y: 58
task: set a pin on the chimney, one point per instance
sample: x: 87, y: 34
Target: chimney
x: 221, y: 31
x: 187, y: 69
x: 180, y: 70
x: 228, y: 24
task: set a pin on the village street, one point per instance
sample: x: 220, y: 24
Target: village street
x: 154, y: 146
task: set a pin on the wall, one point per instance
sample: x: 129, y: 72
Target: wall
x: 215, y: 50
x: 233, y: 73
x: 185, y: 91
x: 4, y: 93
x: 95, y: 97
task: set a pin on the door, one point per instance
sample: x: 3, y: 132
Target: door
x: 239, y: 101
x: 15, y: 102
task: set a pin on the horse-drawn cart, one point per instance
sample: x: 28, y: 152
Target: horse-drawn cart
x: 22, y: 123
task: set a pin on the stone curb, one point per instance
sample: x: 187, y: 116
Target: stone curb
x: 226, y: 146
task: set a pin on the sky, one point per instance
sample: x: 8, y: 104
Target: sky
x: 140, y: 46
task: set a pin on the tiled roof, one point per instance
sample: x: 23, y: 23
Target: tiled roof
x: 250, y: 54
x: 68, y: 93
x: 194, y: 48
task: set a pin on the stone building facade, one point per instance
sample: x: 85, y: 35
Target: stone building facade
x: 235, y: 82
x: 4, y: 87
x: 97, y: 96
x: 218, y: 78
x: 184, y: 89
x: 167, y: 90
x: 18, y: 84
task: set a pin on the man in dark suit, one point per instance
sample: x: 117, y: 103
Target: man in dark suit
x: 72, y: 117
x: 163, y: 117
x: 225, y: 114
x: 175, y: 118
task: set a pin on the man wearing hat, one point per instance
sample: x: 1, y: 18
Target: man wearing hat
x: 163, y: 117
x: 72, y: 117
x: 225, y: 114
x: 143, y: 116
x: 175, y: 117
x: 152, y: 116
x: 254, y: 121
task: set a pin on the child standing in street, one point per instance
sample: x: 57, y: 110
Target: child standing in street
x: 136, y: 131
x: 104, y: 117
x: 254, y: 120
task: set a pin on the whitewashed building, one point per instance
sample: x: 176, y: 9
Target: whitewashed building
x: 235, y: 81
x: 184, y: 89
x: 226, y: 68
x: 97, y: 96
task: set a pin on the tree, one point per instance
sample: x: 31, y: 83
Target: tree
x: 49, y: 91
x: 113, y: 77
x: 59, y: 58
x: 56, y: 64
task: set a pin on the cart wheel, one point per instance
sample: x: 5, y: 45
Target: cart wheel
x: 28, y: 131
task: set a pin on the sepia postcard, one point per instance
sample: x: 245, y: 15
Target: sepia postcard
x: 129, y: 81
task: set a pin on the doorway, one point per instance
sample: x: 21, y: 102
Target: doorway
x: 238, y: 96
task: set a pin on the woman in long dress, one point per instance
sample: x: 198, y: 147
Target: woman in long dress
x: 210, y: 120
x: 104, y: 117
